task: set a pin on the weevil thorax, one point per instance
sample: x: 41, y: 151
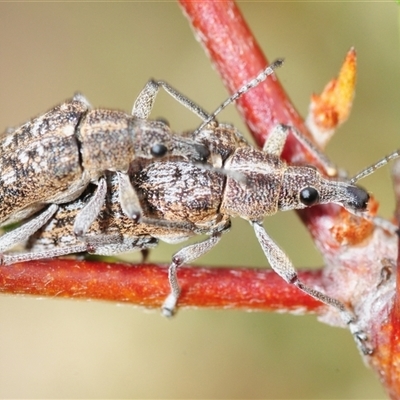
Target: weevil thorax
x: 106, y: 142
x: 304, y: 186
x: 257, y: 197
x: 222, y: 140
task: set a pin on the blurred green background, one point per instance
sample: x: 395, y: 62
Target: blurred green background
x: 61, y: 348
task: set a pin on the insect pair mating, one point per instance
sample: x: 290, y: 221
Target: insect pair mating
x: 106, y: 182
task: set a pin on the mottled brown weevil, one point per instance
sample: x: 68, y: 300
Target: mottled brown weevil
x: 180, y: 199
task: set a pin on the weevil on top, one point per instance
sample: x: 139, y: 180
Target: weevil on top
x: 52, y: 158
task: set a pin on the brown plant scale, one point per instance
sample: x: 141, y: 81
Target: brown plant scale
x: 351, y: 230
x: 360, y: 268
x: 332, y: 107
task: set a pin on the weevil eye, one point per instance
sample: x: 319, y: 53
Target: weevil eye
x: 203, y: 151
x: 158, y: 150
x: 309, y: 196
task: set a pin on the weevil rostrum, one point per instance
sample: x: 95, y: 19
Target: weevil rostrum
x: 179, y: 199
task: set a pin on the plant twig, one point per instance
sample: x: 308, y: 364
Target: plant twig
x: 361, y: 261
x: 357, y: 269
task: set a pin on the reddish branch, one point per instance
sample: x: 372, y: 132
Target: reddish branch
x: 355, y: 255
x: 147, y: 285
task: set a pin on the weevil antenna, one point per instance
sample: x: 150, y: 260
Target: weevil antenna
x: 245, y: 88
x: 369, y: 170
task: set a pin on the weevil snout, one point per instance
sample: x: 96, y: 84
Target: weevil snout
x: 357, y: 198
x: 304, y: 187
x: 202, y: 151
x: 352, y: 197
x: 191, y: 149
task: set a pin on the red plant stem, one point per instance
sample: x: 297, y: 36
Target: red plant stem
x: 147, y: 285
x: 236, y: 55
x: 351, y: 272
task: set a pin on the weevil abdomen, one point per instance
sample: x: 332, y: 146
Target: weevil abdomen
x: 179, y: 191
x: 39, y: 161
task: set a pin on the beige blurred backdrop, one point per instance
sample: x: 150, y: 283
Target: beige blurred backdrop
x: 65, y: 348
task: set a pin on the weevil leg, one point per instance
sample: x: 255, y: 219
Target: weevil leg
x: 90, y: 212
x: 145, y: 101
x: 185, y: 255
x: 329, y: 167
x: 139, y: 243
x: 128, y: 197
x: 281, y: 264
x: 145, y: 254
x: 276, y: 140
x: 173, y: 225
x: 100, y: 244
x: 56, y: 252
x: 107, y: 245
x: 23, y: 232
x: 81, y: 98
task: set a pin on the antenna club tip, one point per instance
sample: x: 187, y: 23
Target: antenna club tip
x: 277, y: 63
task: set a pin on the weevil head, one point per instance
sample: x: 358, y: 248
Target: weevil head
x: 304, y: 187
x: 154, y: 139
x: 222, y: 139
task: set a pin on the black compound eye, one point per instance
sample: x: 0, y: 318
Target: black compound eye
x: 309, y: 196
x: 158, y: 150
x: 203, y: 151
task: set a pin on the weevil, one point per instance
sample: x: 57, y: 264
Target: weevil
x: 52, y: 158
x: 180, y: 200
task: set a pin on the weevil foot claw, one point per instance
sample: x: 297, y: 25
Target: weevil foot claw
x: 168, y: 307
x: 361, y: 339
